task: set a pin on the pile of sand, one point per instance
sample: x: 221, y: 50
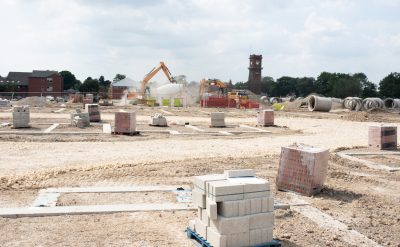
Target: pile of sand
x: 34, y: 101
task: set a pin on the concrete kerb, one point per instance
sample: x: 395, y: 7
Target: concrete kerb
x: 349, y: 156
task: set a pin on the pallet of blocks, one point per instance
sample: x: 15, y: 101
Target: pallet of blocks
x: 235, y: 209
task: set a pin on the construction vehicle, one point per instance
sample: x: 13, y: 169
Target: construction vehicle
x: 206, y: 84
x: 144, y: 89
x: 239, y: 96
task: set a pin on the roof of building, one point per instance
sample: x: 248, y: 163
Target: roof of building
x: 20, y: 78
x: 127, y: 82
x: 43, y: 73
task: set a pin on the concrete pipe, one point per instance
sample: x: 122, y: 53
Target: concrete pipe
x: 371, y: 103
x: 352, y: 103
x: 396, y: 103
x: 388, y: 103
x: 316, y: 103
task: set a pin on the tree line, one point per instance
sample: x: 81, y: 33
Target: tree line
x: 100, y: 85
x: 338, y: 85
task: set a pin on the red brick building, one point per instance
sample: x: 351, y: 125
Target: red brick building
x: 35, y: 83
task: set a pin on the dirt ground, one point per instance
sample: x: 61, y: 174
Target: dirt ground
x: 364, y: 199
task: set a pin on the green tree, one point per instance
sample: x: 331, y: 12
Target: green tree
x: 89, y: 85
x: 390, y: 85
x: 305, y: 86
x: 8, y: 87
x: 286, y: 85
x: 104, y: 85
x: 69, y: 79
x: 119, y: 77
x: 241, y: 85
x: 268, y: 86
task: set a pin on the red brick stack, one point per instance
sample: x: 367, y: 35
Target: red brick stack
x: 382, y: 137
x: 302, y: 169
x: 266, y: 118
x: 94, y: 112
x: 125, y: 122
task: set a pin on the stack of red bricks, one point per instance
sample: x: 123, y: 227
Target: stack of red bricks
x: 382, y: 137
x: 266, y: 118
x: 235, y: 209
x: 94, y: 112
x: 125, y: 122
x: 302, y: 169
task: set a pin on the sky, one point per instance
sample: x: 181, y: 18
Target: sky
x: 201, y: 38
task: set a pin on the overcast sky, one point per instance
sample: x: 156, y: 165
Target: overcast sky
x: 201, y: 38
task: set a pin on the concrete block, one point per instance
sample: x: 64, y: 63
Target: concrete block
x: 267, y: 204
x: 262, y: 220
x: 238, y: 239
x: 267, y: 234
x: 211, y: 208
x: 265, y: 118
x: 217, y: 119
x: 244, y: 207
x: 224, y: 190
x: 205, y: 217
x: 198, y: 198
x: 240, y: 173
x: 21, y: 116
x: 251, y: 184
x: 216, y: 239
x: 231, y: 225
x: 302, y: 169
x: 80, y: 119
x: 200, y: 182
x: 201, y: 228
x: 255, y: 206
x: 229, y: 208
x: 125, y: 122
x: 256, y: 194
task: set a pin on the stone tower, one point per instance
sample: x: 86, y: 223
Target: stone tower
x: 255, y: 73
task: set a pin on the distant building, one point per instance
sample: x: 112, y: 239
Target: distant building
x: 120, y: 88
x: 36, y: 83
x: 255, y: 68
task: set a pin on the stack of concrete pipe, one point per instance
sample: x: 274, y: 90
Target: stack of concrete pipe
x: 391, y: 103
x: 353, y: 103
x: 316, y: 103
x: 372, y: 103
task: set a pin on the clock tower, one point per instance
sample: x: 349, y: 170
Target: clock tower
x: 255, y: 73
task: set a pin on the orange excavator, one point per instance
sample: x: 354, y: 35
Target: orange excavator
x: 205, y: 85
x: 143, y: 85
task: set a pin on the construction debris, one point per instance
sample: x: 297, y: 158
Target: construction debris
x: 158, y: 120
x: 302, y: 169
x: 382, y: 137
x: 80, y: 119
x: 4, y: 102
x: 21, y: 116
x: 234, y: 209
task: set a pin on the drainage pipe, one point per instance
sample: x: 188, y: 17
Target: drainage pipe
x: 371, y: 103
x: 396, y: 103
x: 388, y: 103
x: 316, y: 103
x: 352, y: 103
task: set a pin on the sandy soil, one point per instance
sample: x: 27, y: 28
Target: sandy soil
x: 366, y: 200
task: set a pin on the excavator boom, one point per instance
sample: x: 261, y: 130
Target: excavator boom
x: 153, y: 72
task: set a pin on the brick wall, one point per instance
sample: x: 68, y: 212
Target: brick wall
x: 382, y: 137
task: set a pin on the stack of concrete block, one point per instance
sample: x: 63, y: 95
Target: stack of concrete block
x: 217, y: 119
x: 382, y: 137
x: 158, y: 120
x: 265, y: 118
x: 80, y: 119
x: 94, y: 112
x: 125, y: 122
x: 235, y: 209
x: 21, y: 116
x: 302, y: 169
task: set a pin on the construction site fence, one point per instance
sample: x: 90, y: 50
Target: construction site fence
x: 60, y: 96
x: 221, y: 102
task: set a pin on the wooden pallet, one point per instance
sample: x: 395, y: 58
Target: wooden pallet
x: 126, y: 133
x: 201, y: 242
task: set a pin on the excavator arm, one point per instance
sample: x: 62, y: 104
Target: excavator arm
x: 153, y: 72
